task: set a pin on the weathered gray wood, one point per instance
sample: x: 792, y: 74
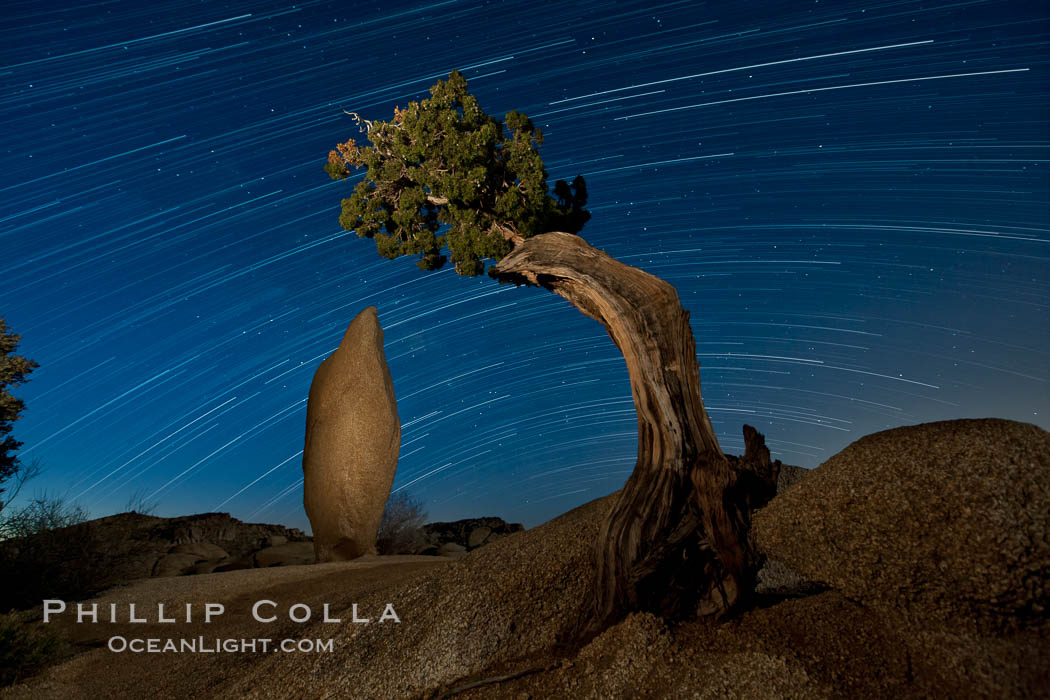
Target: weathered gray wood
x: 676, y: 540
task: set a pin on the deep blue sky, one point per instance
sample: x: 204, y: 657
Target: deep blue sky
x: 851, y: 198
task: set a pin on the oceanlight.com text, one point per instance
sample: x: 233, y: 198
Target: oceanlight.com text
x: 216, y: 645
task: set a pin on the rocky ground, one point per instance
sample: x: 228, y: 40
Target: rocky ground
x: 97, y: 672
x: 123, y: 548
x: 865, y: 608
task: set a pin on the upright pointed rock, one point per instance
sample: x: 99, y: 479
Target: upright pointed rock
x: 353, y: 436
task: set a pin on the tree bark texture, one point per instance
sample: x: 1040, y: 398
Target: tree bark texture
x: 675, y: 542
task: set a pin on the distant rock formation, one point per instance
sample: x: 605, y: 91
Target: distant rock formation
x: 461, y: 536
x: 140, y: 543
x: 353, y: 436
x: 937, y: 520
x: 78, y: 561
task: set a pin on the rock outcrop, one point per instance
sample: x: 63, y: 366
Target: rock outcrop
x: 941, y: 520
x: 500, y: 612
x: 201, y: 550
x: 77, y: 561
x: 512, y: 598
x: 175, y: 564
x: 288, y: 554
x: 776, y: 578
x: 468, y: 534
x: 353, y: 436
x: 490, y: 624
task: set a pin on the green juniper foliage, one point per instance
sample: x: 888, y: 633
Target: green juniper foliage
x: 443, y: 174
x: 14, y: 370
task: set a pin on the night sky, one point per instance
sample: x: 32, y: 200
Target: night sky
x: 850, y: 197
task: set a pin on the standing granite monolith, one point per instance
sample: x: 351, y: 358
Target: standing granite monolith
x: 353, y: 436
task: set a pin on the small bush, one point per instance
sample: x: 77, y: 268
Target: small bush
x: 401, y: 529
x: 139, y: 503
x: 68, y: 564
x: 43, y: 513
x: 47, y: 550
x: 25, y: 648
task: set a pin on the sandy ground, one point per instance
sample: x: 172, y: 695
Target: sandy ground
x: 98, y: 672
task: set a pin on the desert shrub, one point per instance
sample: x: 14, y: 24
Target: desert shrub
x: 42, y: 514
x: 14, y: 370
x: 140, y: 503
x: 49, y: 551
x: 25, y: 647
x: 401, y: 529
x: 67, y: 564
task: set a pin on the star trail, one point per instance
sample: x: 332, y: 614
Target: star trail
x: 851, y: 198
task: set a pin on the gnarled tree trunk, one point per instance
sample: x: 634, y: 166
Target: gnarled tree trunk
x: 675, y: 542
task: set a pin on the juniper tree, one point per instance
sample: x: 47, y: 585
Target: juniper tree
x: 442, y: 175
